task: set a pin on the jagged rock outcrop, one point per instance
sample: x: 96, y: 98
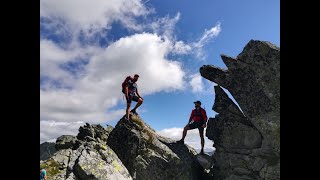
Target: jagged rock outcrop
x: 132, y: 150
x: 47, y: 149
x: 247, y: 142
x: 150, y: 156
x: 65, y: 142
x: 85, y: 156
x: 92, y: 132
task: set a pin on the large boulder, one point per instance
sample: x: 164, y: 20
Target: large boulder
x: 247, y: 140
x: 91, y: 132
x: 101, y: 163
x: 65, y: 142
x: 150, y: 156
x: 85, y: 157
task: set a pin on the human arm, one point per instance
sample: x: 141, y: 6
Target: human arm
x: 191, y: 116
x: 138, y: 94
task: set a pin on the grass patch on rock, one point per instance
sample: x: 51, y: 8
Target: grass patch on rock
x: 51, y: 166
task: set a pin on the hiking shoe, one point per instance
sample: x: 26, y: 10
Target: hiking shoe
x: 134, y: 112
x: 180, y: 141
x: 128, y: 121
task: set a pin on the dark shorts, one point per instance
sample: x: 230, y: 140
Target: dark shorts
x: 132, y: 97
x: 194, y: 125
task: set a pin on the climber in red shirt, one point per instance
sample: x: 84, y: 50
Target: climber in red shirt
x: 198, y: 119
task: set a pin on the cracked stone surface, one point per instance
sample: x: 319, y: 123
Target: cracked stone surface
x: 247, y: 141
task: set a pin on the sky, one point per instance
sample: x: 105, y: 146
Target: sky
x: 87, y: 48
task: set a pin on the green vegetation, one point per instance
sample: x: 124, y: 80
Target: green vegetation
x: 51, y: 166
x: 146, y: 130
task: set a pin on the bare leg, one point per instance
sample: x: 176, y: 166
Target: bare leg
x: 128, y: 110
x: 186, y: 128
x: 140, y: 101
x: 202, y: 140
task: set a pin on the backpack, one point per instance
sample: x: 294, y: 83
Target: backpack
x: 125, y: 82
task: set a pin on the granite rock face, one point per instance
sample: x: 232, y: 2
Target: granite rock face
x: 85, y: 157
x: 65, y: 142
x: 131, y: 150
x: 247, y: 141
x: 150, y: 156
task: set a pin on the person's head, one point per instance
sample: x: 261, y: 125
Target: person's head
x: 197, y: 104
x: 135, y: 77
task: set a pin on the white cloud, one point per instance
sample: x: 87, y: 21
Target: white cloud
x: 180, y: 47
x: 164, y: 26
x: 196, y: 48
x: 50, y: 130
x: 52, y: 57
x: 94, y: 15
x: 90, y: 94
x: 173, y: 133
x: 192, y: 139
x: 93, y: 94
x: 144, y: 54
x: 207, y: 36
x: 196, y: 83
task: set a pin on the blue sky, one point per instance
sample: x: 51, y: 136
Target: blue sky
x: 87, y: 49
x: 241, y: 21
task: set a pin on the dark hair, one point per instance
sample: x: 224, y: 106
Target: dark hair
x: 136, y: 75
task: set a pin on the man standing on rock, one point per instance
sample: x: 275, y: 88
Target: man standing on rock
x: 130, y: 89
x: 198, y: 119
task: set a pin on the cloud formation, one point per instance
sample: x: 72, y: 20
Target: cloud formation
x: 192, y: 139
x: 92, y: 16
x: 80, y: 79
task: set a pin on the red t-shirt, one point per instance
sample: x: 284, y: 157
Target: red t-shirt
x: 198, y: 118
